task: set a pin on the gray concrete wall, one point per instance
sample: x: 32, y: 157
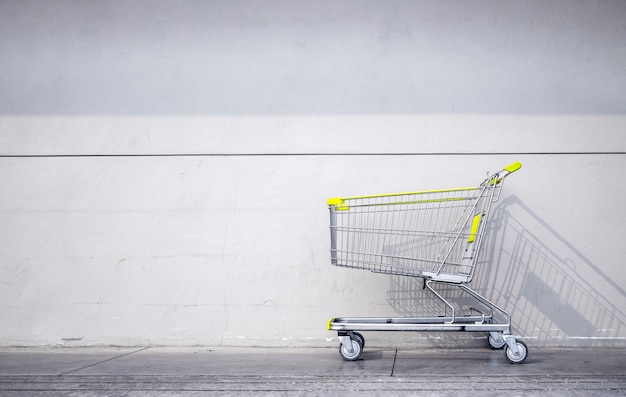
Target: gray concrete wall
x: 164, y: 166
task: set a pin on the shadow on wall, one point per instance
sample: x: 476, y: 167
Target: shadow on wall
x: 554, y: 293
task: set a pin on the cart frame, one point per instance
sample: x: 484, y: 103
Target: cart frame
x: 359, y: 223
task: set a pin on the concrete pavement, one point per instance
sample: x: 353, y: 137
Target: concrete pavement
x: 204, y: 371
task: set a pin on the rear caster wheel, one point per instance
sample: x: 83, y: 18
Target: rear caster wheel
x: 520, y: 356
x: 360, y: 338
x: 496, y: 341
x: 355, y: 354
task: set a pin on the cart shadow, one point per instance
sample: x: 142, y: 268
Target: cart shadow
x: 554, y: 293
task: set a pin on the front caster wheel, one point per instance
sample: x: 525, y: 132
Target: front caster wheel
x: 357, y: 350
x: 517, y: 357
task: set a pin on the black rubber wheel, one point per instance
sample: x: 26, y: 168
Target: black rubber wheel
x: 357, y: 350
x: 517, y: 358
x: 496, y: 343
x: 360, y: 338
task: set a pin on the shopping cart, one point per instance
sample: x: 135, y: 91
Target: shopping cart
x: 435, y: 235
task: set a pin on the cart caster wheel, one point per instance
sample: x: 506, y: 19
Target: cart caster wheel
x: 496, y: 341
x: 357, y: 350
x: 360, y: 338
x: 520, y: 357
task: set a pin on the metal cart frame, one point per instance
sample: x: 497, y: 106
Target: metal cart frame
x: 435, y: 235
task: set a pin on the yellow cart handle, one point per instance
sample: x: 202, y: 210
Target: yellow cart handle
x: 511, y: 168
x: 506, y: 171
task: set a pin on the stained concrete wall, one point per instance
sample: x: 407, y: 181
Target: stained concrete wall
x: 164, y: 166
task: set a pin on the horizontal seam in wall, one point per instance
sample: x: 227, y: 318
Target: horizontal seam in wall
x: 306, y: 154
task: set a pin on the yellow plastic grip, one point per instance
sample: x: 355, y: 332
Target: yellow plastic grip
x: 513, y: 167
x: 337, y: 203
x: 334, y: 201
x: 474, y: 228
x: 509, y: 169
